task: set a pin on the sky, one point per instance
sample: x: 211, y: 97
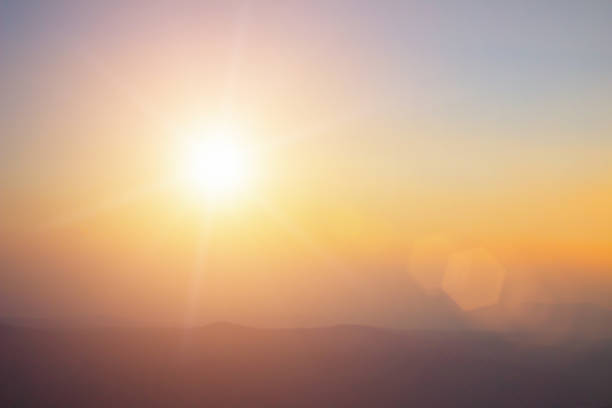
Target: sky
x: 402, y: 148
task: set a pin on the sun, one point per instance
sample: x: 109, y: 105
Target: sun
x: 216, y: 163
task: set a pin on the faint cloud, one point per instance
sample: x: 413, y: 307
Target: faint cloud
x: 428, y: 260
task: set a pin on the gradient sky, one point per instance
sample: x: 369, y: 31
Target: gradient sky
x: 399, y: 139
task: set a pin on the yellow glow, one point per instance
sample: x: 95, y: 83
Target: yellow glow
x: 216, y: 163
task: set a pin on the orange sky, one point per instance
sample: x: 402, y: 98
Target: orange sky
x: 381, y: 164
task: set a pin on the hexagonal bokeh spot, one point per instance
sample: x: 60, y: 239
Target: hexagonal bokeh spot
x: 473, y: 278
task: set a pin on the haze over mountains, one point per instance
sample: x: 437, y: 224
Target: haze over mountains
x: 408, y: 307
x: 392, y: 344
x: 224, y: 365
x: 556, y: 322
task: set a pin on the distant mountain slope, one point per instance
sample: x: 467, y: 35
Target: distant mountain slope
x: 392, y: 300
x: 225, y: 365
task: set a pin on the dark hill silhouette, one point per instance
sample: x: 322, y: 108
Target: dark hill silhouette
x: 226, y: 365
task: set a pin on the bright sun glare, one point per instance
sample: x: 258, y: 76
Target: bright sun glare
x: 216, y: 163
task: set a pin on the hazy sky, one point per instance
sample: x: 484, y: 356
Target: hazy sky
x: 402, y: 136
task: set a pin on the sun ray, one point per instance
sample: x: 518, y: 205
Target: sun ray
x: 191, y: 318
x: 316, y: 129
x: 80, y: 215
x: 276, y: 213
x: 127, y: 91
x: 235, y: 59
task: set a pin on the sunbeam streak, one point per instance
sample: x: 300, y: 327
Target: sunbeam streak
x: 83, y: 214
x: 195, y: 286
x: 279, y: 216
x: 235, y: 59
x: 215, y: 166
x: 128, y: 92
